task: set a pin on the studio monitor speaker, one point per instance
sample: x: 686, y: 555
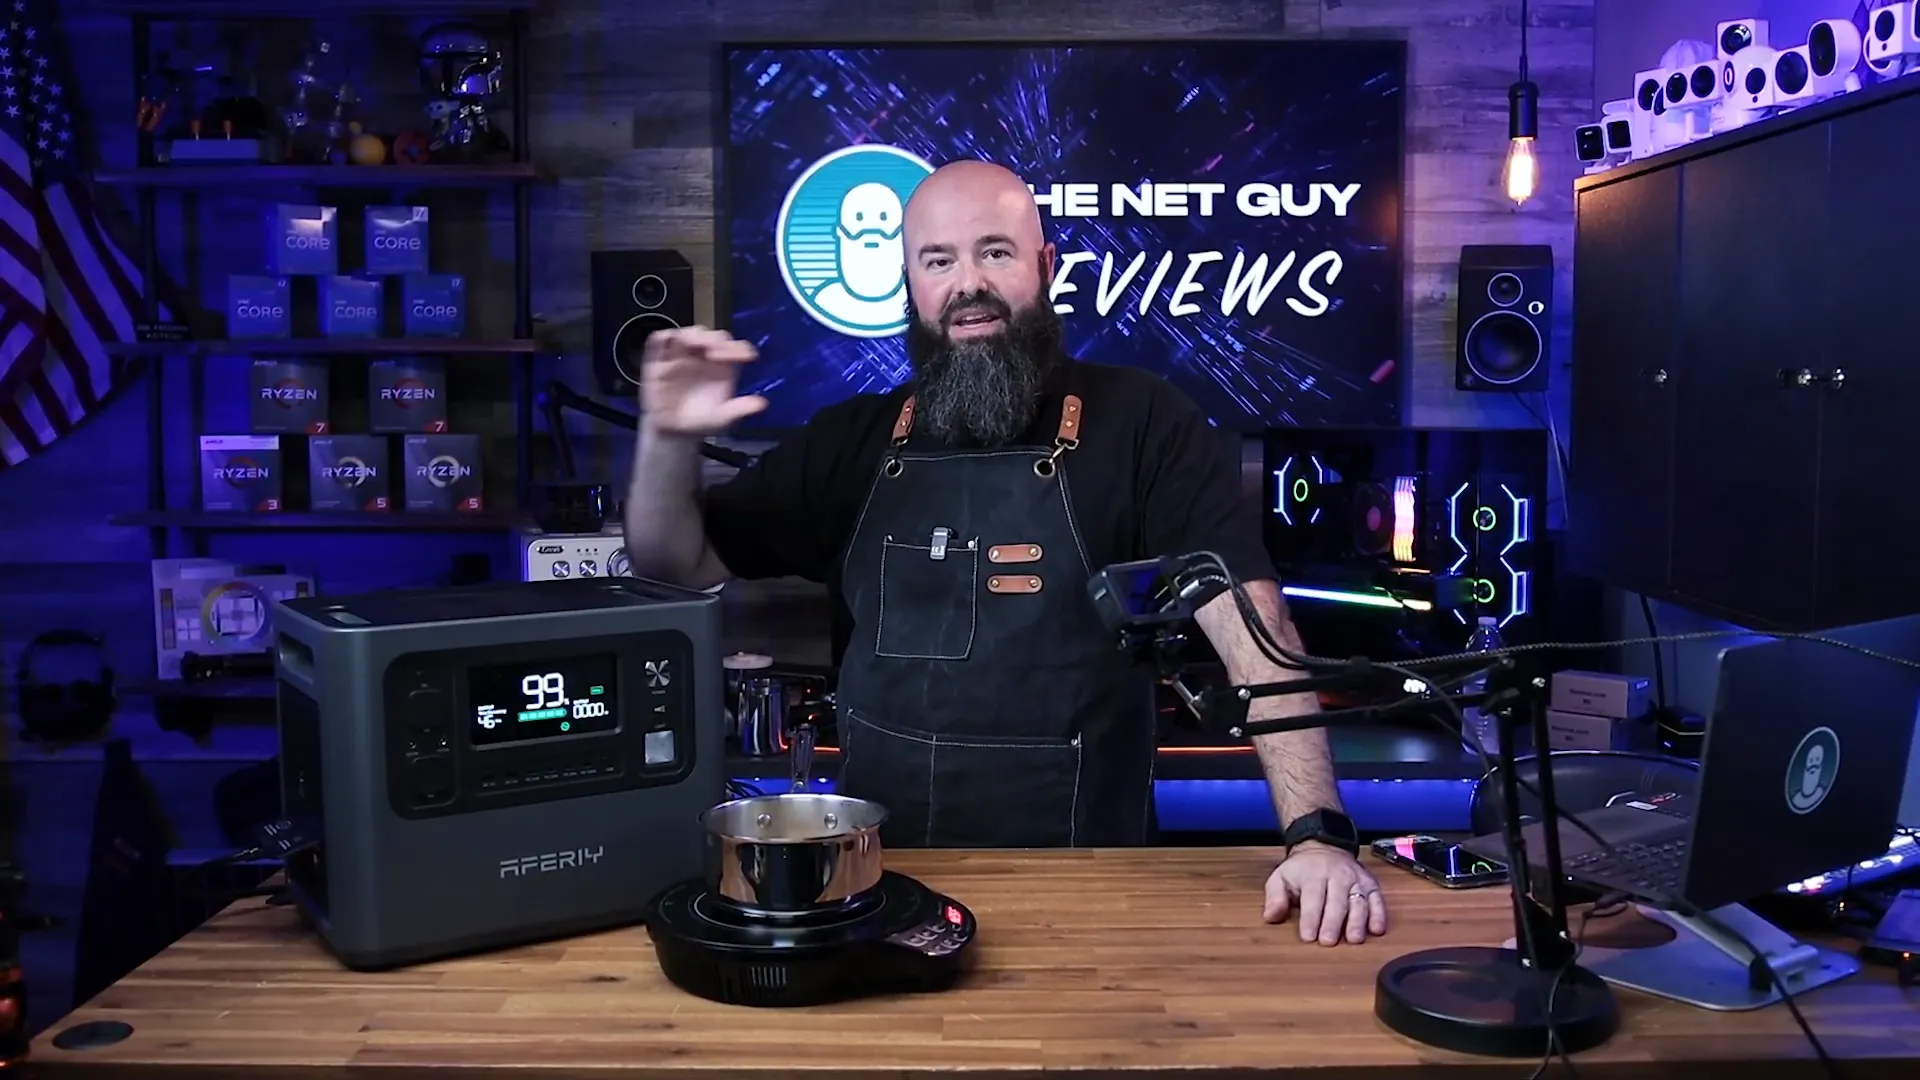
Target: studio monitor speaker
x: 1505, y: 317
x: 635, y: 293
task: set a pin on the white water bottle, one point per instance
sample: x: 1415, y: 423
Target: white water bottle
x: 1478, y: 728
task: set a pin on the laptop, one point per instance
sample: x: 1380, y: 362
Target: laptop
x: 1802, y: 770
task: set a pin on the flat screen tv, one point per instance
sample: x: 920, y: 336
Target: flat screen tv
x: 1227, y: 214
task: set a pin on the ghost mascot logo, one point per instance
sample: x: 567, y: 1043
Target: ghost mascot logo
x: 839, y: 243
x: 289, y: 392
x: 1812, y: 769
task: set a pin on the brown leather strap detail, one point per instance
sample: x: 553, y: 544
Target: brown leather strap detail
x: 1069, y: 419
x: 1013, y: 553
x: 1010, y: 584
x: 903, y: 426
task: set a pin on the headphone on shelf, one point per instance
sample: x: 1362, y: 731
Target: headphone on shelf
x: 64, y: 711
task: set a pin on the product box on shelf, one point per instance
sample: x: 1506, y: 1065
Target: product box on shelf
x: 258, y: 307
x: 407, y: 397
x: 240, y: 472
x: 352, y: 307
x: 289, y: 397
x: 211, y: 607
x: 303, y: 240
x: 435, y: 305
x: 397, y: 240
x: 444, y: 474
x: 349, y: 472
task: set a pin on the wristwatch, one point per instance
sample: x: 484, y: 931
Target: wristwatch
x: 1329, y: 827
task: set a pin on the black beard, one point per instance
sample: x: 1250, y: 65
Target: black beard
x: 982, y: 391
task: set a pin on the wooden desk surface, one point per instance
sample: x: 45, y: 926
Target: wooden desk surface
x: 1107, y: 962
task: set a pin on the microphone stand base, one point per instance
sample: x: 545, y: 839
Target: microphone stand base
x: 1479, y: 1000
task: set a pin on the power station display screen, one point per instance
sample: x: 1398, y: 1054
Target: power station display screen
x: 522, y: 702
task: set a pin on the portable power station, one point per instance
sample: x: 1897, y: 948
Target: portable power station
x: 495, y: 764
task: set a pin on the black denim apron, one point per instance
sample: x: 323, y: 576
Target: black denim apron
x: 980, y: 700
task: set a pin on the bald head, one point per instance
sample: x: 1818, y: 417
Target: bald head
x: 973, y: 230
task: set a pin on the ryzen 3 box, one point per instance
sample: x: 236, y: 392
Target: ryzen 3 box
x: 304, y: 240
x: 443, y: 473
x: 349, y: 472
x: 240, y: 472
x: 289, y: 397
x: 258, y: 307
x: 396, y: 240
x: 351, y: 307
x: 436, y: 305
x: 407, y: 396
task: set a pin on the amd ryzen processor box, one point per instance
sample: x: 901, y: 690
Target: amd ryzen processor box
x: 349, y: 472
x: 443, y: 474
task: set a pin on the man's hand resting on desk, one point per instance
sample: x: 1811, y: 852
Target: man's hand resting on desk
x: 1330, y: 893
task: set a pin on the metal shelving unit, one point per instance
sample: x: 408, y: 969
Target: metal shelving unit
x: 161, y: 518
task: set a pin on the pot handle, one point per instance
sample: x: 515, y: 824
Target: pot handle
x: 802, y: 746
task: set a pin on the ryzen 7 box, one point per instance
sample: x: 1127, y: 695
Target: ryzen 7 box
x: 289, y: 397
x: 240, y: 472
x: 436, y: 305
x: 443, y: 473
x: 258, y: 307
x: 303, y: 240
x: 396, y: 239
x: 407, y: 396
x: 349, y: 472
x: 350, y: 307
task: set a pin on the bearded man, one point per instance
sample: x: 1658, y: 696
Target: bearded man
x: 957, y: 520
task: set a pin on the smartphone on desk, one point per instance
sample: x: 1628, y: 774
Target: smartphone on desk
x: 1445, y: 864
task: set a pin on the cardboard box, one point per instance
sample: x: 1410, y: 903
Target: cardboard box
x: 303, y: 240
x: 444, y: 474
x: 258, y: 307
x: 289, y: 397
x: 397, y: 240
x: 1599, y: 693
x: 435, y: 305
x: 240, y: 472
x: 352, y: 307
x: 349, y: 472
x: 407, y: 397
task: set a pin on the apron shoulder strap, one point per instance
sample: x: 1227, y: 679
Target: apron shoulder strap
x: 903, y: 424
x: 1066, y: 436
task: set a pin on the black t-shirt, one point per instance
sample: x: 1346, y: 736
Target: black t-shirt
x: 1150, y: 477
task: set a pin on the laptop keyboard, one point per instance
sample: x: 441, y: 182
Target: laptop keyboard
x: 1653, y: 869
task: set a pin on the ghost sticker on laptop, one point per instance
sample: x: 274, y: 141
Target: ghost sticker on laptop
x: 1812, y: 769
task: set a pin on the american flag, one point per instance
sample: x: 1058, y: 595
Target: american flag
x: 67, y: 290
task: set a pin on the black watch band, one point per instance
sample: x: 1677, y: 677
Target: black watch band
x: 1329, y: 827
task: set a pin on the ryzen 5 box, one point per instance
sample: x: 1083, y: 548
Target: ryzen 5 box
x: 436, y: 305
x: 350, y: 307
x: 349, y: 472
x: 443, y: 473
x: 304, y: 240
x: 396, y: 240
x: 289, y: 397
x: 258, y: 307
x: 240, y: 472
x: 407, y: 396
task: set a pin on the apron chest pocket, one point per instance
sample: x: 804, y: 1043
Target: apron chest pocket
x: 929, y: 598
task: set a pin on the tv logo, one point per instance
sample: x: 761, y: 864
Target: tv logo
x: 838, y: 239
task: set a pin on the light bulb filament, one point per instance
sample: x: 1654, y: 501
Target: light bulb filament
x: 1521, y: 175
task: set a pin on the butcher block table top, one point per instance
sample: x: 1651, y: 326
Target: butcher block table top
x: 1105, y: 963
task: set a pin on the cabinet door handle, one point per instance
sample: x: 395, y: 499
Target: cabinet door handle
x: 1832, y: 380
x: 1658, y: 376
x: 1793, y: 378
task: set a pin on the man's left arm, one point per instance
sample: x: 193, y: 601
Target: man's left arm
x: 1298, y: 765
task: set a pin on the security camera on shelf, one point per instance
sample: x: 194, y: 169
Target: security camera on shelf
x: 1673, y: 103
x: 1892, y: 45
x: 1822, y: 68
x: 1608, y: 143
x: 1746, y: 61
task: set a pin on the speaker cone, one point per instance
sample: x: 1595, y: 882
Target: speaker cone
x: 1503, y: 347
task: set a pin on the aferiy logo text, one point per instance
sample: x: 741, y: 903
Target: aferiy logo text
x: 551, y: 863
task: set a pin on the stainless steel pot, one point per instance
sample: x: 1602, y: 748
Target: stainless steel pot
x: 795, y: 852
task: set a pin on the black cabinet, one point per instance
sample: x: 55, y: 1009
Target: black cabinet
x: 1744, y: 396
x: 1619, y: 483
